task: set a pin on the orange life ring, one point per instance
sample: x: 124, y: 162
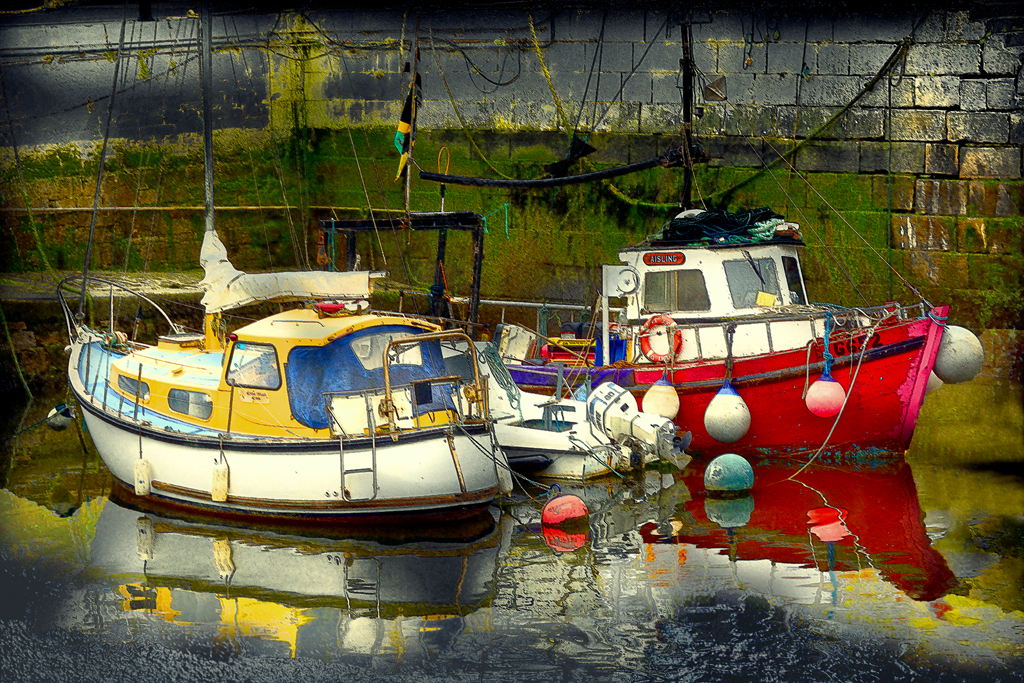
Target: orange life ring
x: 645, y: 339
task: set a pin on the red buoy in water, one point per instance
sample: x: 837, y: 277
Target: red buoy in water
x: 563, y: 509
x: 562, y: 541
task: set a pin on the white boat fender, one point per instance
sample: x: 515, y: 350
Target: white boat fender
x: 727, y: 417
x: 145, y: 538
x: 142, y: 477
x: 662, y: 399
x: 934, y: 383
x: 219, y: 489
x: 504, y: 473
x: 960, y: 355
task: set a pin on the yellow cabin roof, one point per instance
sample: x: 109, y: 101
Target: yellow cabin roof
x: 305, y: 327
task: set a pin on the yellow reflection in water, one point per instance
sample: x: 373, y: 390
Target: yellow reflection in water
x: 258, y: 619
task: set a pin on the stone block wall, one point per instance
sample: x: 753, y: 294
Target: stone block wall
x: 911, y: 121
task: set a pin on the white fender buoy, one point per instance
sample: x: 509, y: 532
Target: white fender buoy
x: 934, y: 383
x: 662, y: 399
x: 727, y: 417
x: 825, y: 397
x: 142, y: 477
x: 960, y: 355
x: 219, y: 491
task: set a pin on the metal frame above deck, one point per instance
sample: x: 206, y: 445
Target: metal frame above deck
x: 442, y: 221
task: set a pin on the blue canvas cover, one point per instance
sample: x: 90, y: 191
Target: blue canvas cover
x: 313, y: 371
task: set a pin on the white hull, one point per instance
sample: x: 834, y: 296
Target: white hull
x: 444, y: 467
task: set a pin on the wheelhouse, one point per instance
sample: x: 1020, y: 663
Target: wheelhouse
x: 715, y: 281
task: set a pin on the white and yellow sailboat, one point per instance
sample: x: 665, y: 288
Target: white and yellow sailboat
x: 323, y: 410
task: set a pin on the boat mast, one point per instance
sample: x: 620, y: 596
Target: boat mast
x: 211, y: 321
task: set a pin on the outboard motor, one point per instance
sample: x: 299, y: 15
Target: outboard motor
x: 614, y: 411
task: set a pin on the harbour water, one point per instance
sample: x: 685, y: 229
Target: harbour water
x: 874, y: 568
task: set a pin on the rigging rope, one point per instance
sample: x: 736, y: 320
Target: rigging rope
x: 501, y: 377
x: 808, y: 224
x: 103, y: 159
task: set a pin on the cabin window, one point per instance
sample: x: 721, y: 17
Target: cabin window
x: 191, y: 403
x: 748, y: 276
x: 676, y: 290
x: 369, y: 350
x: 793, y: 281
x: 130, y: 386
x: 254, y: 366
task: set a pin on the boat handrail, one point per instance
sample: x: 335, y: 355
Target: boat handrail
x: 70, y: 317
x: 474, y: 394
x: 191, y: 367
x: 811, y: 316
x: 296, y: 320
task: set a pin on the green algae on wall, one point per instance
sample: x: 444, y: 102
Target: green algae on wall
x: 272, y: 190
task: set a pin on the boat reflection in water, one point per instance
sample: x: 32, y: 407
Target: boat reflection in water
x: 837, y: 560
x: 838, y: 554
x: 228, y: 591
x: 830, y: 520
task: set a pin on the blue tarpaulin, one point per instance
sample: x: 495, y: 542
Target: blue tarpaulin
x: 313, y: 371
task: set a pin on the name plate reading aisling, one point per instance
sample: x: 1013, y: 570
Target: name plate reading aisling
x: 664, y: 258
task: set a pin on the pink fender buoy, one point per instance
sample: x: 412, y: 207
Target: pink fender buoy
x: 828, y: 524
x: 563, y: 509
x: 825, y: 397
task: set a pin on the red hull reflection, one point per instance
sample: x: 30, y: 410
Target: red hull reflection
x: 840, y: 518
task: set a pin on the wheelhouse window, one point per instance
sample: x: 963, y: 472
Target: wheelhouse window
x: 747, y: 277
x: 191, y: 403
x: 254, y: 366
x: 676, y: 290
x: 796, y: 285
x: 133, y: 387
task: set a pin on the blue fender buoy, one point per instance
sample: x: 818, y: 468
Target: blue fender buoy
x: 728, y: 474
x: 727, y: 417
x: 59, y: 418
x: 729, y: 513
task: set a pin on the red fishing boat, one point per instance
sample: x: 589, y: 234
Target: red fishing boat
x: 719, y: 334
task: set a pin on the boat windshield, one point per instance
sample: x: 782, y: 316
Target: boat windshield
x: 748, y: 276
x: 254, y: 366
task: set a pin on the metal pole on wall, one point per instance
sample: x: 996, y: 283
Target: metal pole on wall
x: 206, y: 78
x: 687, y: 65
